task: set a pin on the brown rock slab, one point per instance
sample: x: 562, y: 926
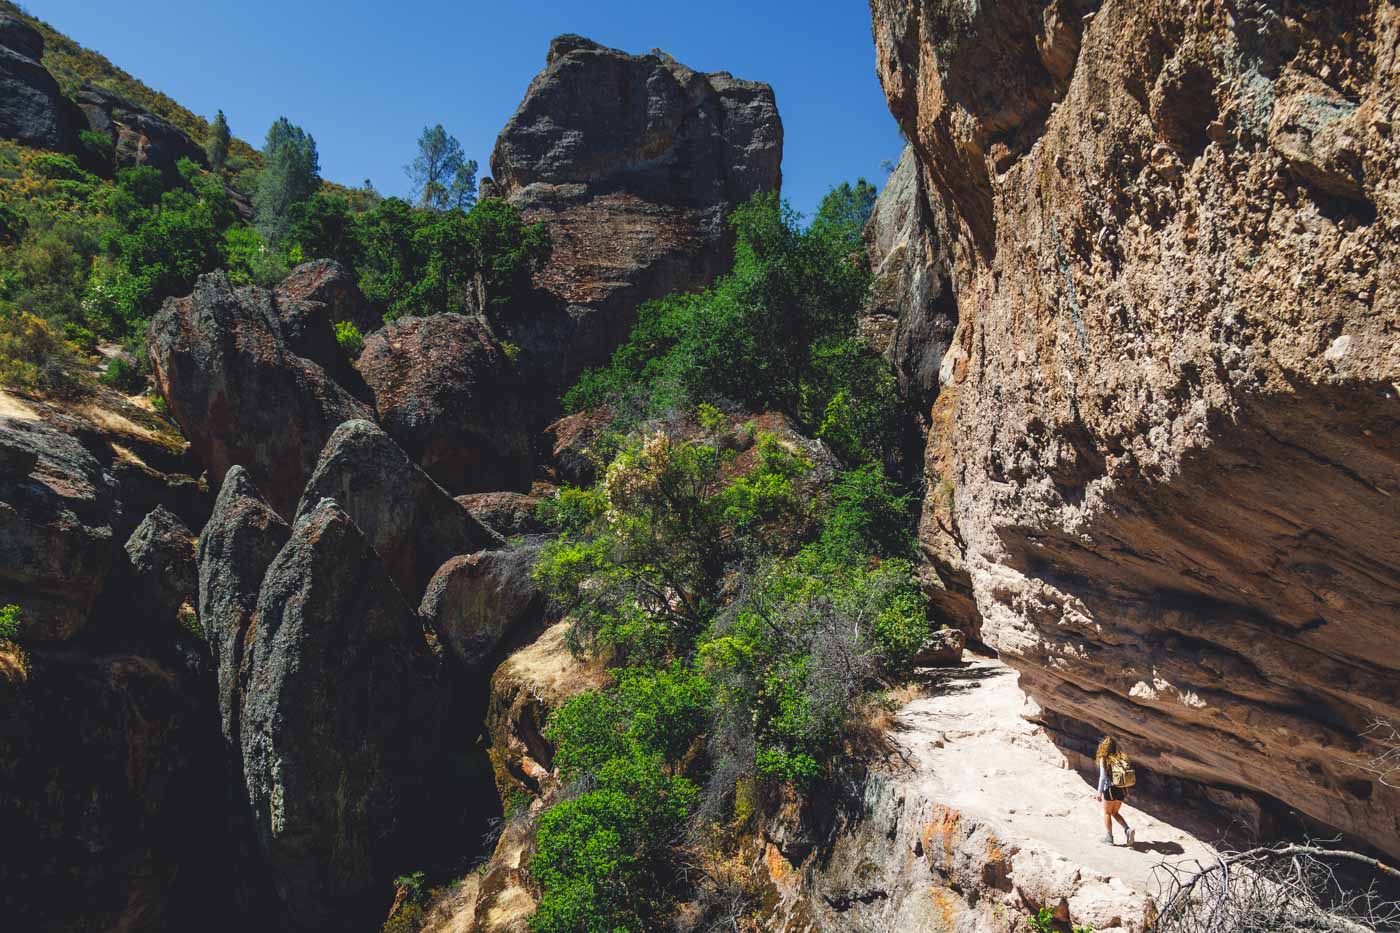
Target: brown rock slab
x: 446, y: 392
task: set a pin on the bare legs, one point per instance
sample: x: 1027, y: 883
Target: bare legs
x: 1110, y: 813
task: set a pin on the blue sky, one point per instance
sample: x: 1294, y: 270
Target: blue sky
x: 365, y: 77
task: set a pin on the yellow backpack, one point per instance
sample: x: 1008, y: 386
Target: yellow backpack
x: 1120, y: 772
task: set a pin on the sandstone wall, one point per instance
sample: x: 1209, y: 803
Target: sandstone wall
x: 1165, y: 451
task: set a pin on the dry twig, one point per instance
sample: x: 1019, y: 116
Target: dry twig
x: 1275, y: 889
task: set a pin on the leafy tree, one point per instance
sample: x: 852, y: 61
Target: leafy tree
x: 846, y: 210
x: 442, y: 177
x: 290, y: 175
x: 163, y: 242
x: 640, y: 569
x: 216, y: 146
x: 324, y: 227
x: 504, y: 249
x: 426, y: 262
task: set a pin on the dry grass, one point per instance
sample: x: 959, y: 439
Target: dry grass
x: 868, y: 732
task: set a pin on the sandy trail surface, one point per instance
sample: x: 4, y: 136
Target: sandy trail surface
x: 973, y: 750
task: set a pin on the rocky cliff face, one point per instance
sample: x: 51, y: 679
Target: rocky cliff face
x: 32, y: 108
x: 634, y: 161
x: 1165, y: 451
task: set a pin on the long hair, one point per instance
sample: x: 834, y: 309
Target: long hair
x: 1108, y: 748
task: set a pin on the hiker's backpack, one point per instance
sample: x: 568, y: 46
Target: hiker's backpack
x: 1120, y: 772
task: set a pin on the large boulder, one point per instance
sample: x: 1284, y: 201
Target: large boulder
x: 57, y: 511
x: 476, y: 600
x: 526, y: 688
x: 161, y: 565
x: 235, y: 549
x: 412, y: 524
x: 240, y: 393
x: 449, y: 396
x: 633, y: 161
x: 341, y: 727
x: 138, y: 136
x: 323, y: 289
x: 1169, y: 469
x: 33, y: 110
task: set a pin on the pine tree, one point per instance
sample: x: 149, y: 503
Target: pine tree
x: 463, y: 191
x: 442, y: 178
x: 290, y: 175
x: 216, y: 147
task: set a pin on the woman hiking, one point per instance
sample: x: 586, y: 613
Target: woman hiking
x: 1114, y: 779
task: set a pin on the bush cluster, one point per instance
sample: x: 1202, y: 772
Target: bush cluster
x: 748, y: 611
x: 94, y: 257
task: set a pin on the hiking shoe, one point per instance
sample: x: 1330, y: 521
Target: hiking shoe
x: 1108, y: 838
x: 1132, y: 837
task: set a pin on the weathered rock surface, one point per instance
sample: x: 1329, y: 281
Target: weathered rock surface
x: 913, y: 293
x: 341, y: 726
x: 570, y: 441
x: 311, y: 301
x: 412, y: 524
x: 506, y: 513
x: 526, y: 688
x: 633, y: 161
x: 240, y: 393
x: 324, y: 289
x: 161, y: 563
x: 499, y: 899
x: 448, y: 395
x: 57, y: 510
x: 235, y: 549
x: 476, y: 600
x: 139, y: 137
x: 111, y: 790
x: 33, y: 110
x: 943, y: 647
x: 1169, y: 469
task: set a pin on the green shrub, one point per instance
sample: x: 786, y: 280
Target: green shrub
x: 645, y: 713
x: 96, y: 152
x: 349, y: 338
x: 664, y: 520
x: 128, y: 377
x: 599, y: 856
x: 12, y: 225
x: 9, y: 623
x: 58, y: 167
x: 251, y: 260
x: 35, y: 357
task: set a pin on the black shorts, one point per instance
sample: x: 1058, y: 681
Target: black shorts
x: 1115, y: 793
